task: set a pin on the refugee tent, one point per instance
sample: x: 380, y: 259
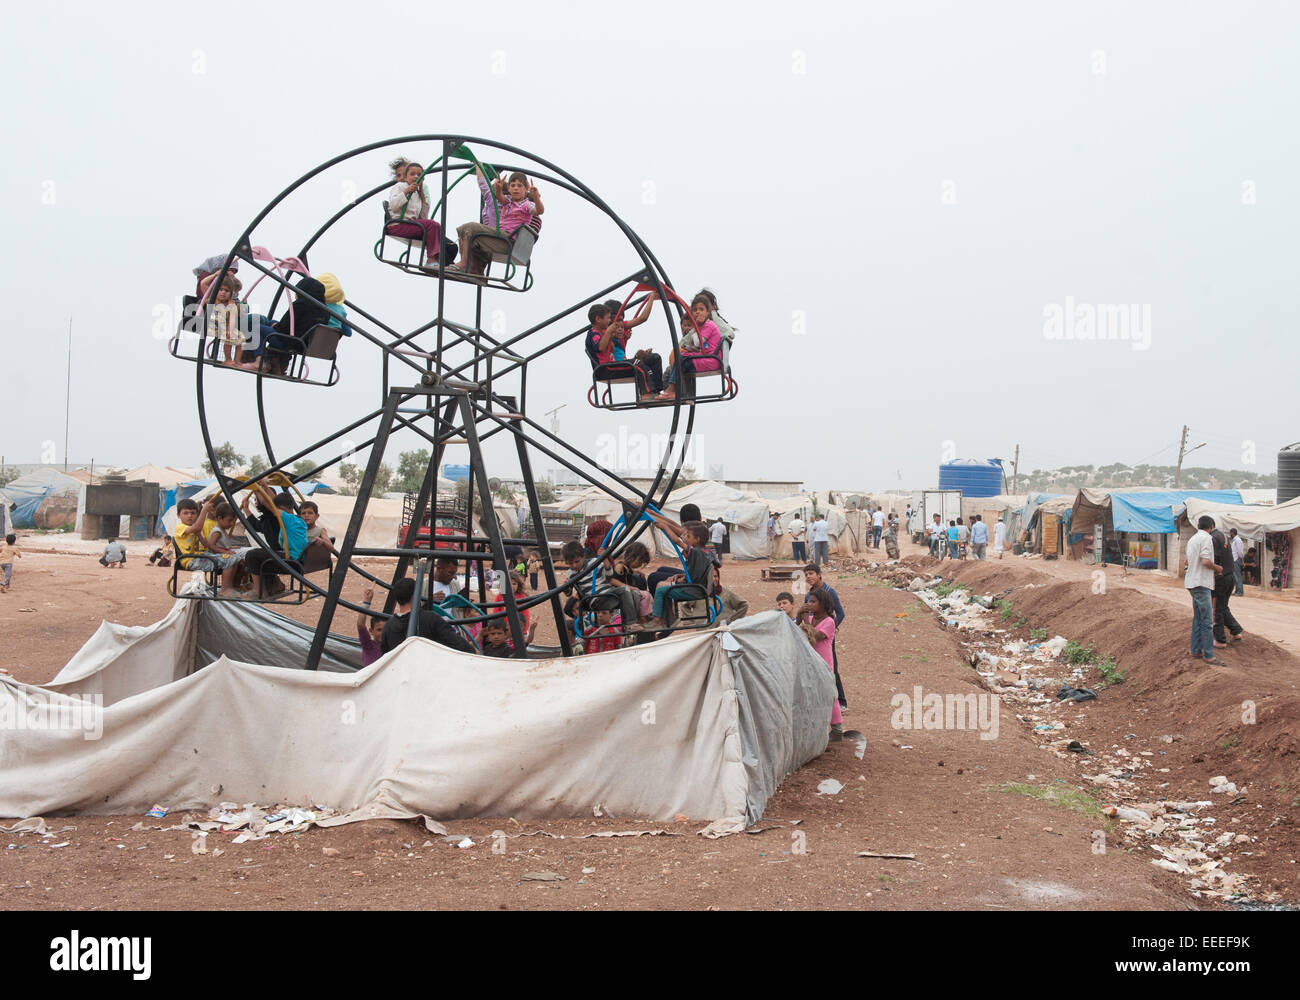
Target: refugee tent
x: 1137, y: 522
x: 1048, y: 524
x: 745, y: 515
x: 190, y: 718
x: 1274, y: 531
x: 1256, y: 496
x: 847, y: 537
x: 45, y: 498
x: 992, y: 509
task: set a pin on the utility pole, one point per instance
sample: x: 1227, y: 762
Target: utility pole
x: 67, y: 405
x: 1015, y: 471
x: 1183, y: 452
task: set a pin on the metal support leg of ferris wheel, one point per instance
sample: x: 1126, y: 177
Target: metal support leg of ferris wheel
x: 395, y: 397
x: 459, y: 401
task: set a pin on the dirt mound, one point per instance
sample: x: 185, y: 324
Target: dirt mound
x: 1241, y: 719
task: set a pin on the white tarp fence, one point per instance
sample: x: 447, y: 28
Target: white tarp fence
x: 704, y: 724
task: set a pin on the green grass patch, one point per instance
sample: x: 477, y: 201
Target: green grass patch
x: 1076, y: 654
x: 1006, y: 608
x: 944, y: 589
x: 1230, y: 742
x: 1064, y: 796
x: 1110, y: 674
x: 1037, y: 634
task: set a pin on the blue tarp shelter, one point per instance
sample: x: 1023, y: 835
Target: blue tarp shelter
x: 1139, y: 510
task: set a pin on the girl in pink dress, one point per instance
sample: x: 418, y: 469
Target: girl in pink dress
x: 818, y: 611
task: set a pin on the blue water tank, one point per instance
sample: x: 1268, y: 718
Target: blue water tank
x: 975, y: 477
x: 456, y: 473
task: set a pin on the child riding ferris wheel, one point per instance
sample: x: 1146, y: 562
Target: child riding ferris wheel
x: 449, y: 380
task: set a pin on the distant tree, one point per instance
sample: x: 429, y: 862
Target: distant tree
x: 383, y: 479
x: 545, y: 491
x: 412, y: 467
x: 257, y: 465
x: 227, y: 457
x: 302, y: 467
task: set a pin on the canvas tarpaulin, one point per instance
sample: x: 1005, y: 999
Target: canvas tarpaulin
x: 703, y: 724
x: 1252, y: 522
x: 1137, y: 510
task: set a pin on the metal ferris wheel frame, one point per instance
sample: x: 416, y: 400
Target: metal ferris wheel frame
x: 458, y: 399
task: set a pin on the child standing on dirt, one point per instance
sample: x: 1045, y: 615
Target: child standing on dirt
x: 534, y: 567
x: 7, y: 556
x: 817, y: 610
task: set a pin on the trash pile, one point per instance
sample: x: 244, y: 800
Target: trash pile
x: 248, y: 822
x: 1187, y: 843
x: 1039, y: 685
x: 37, y: 826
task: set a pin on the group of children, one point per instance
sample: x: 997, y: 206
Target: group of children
x: 699, y: 349
x: 506, y: 205
x: 204, y: 539
x: 616, y: 604
x: 253, y: 342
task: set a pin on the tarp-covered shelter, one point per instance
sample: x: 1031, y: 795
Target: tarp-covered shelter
x: 848, y: 530
x: 193, y: 715
x: 44, y: 498
x: 1137, y: 522
x: 1273, y: 531
x: 1047, y: 527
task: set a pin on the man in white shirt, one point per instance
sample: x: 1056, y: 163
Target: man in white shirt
x: 1238, y: 554
x: 1199, y: 569
x: 937, y: 535
x: 798, y: 547
x: 717, y: 535
x: 999, y: 537
x: 445, y: 582
x: 821, y: 539
x: 877, y: 527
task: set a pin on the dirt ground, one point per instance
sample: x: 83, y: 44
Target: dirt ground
x: 944, y: 796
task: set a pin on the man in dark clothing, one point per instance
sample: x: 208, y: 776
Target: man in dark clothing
x: 1224, y: 583
x: 812, y: 575
x: 431, y: 624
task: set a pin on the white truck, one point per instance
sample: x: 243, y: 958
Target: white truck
x: 927, y: 503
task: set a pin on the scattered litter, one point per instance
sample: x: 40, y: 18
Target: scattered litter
x: 329, y: 852
x: 465, y: 843
x: 541, y: 877
x: 64, y: 844
x: 830, y: 787
x: 877, y: 854
x: 157, y: 812
x: 589, y: 871
x: 33, y: 824
x: 1068, y: 693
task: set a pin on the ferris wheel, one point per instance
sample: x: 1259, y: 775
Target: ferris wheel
x: 449, y: 380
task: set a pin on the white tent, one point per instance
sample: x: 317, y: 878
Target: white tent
x: 745, y: 515
x: 703, y: 724
x: 847, y: 528
x: 164, y: 475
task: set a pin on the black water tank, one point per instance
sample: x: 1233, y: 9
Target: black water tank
x: 1288, y: 473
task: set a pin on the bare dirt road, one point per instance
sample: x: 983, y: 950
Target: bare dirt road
x: 965, y: 807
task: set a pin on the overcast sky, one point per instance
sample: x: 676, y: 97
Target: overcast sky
x: 908, y: 210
